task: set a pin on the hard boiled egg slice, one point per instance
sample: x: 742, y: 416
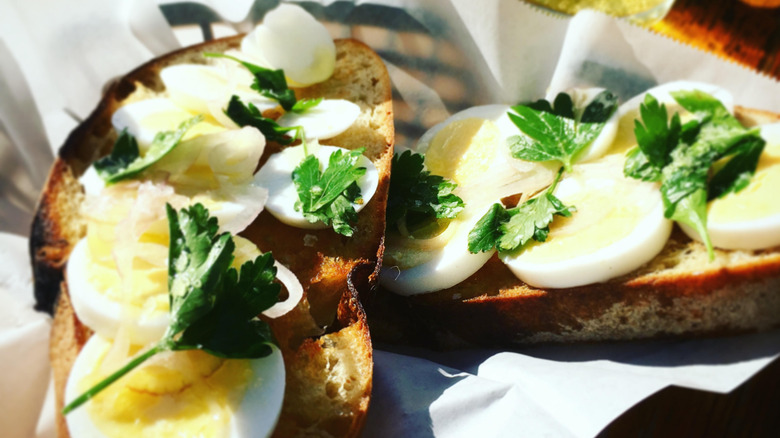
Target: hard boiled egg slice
x: 292, y: 40
x: 582, y: 97
x: 469, y: 150
x: 412, y: 268
x: 207, y: 89
x: 105, y: 315
x: 118, y: 275
x: 618, y: 226
x: 276, y: 176
x: 749, y: 219
x: 472, y: 143
x: 187, y: 393
x: 326, y: 120
x: 496, y: 113
x: 629, y: 111
x: 144, y: 119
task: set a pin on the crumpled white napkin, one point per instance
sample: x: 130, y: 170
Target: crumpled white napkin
x: 516, y: 53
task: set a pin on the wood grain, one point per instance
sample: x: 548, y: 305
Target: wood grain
x: 729, y: 28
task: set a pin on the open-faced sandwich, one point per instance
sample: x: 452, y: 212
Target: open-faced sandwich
x: 581, y: 219
x: 196, y: 234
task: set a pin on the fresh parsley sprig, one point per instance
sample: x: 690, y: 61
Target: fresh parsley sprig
x: 213, y: 307
x: 415, y: 195
x: 248, y: 115
x: 272, y: 84
x: 509, y: 230
x: 559, y: 131
x: 125, y: 160
x: 328, y: 195
x: 681, y: 156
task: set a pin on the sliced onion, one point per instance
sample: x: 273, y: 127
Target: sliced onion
x: 294, y: 292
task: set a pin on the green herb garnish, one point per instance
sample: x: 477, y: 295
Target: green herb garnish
x: 213, y: 306
x: 509, y: 230
x: 328, y: 195
x: 681, y: 156
x: 125, y: 160
x: 249, y: 115
x: 558, y: 132
x: 272, y: 84
x: 417, y: 195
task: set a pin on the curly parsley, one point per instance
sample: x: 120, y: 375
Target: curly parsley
x: 416, y: 195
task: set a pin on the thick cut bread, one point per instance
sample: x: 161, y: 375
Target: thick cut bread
x: 325, y: 340
x: 679, y: 293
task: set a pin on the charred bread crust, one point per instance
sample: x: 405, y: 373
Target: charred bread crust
x: 325, y: 341
x: 679, y: 293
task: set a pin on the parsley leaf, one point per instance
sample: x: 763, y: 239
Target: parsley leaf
x: 328, y: 195
x: 681, y: 157
x: 270, y: 83
x: 508, y: 230
x: 125, y: 160
x: 414, y: 190
x: 487, y: 232
x: 557, y: 133
x: 249, y: 115
x: 213, y: 307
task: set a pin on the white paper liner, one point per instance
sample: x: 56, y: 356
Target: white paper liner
x: 506, y: 52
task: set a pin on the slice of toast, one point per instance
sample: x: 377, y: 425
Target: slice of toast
x: 678, y: 293
x: 325, y: 340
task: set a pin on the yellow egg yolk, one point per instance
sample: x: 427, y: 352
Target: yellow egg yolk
x: 601, y: 219
x: 756, y: 201
x: 111, y: 249
x: 170, y: 120
x: 464, y: 150
x: 183, y: 394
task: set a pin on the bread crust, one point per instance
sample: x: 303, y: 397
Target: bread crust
x: 328, y: 326
x: 678, y: 293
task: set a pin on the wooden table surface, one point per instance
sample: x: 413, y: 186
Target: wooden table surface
x: 749, y: 36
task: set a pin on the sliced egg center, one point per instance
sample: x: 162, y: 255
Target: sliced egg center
x: 276, y: 176
x: 618, y: 225
x: 187, y: 393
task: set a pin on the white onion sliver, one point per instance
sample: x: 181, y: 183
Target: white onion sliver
x: 294, y: 292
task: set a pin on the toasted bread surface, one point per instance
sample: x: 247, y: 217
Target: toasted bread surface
x: 325, y: 340
x: 678, y: 293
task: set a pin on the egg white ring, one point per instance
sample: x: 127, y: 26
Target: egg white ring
x: 92, y: 183
x: 748, y: 235
x: 451, y: 265
x: 131, y: 115
x: 496, y: 113
x: 581, y: 98
x: 99, y: 312
x: 294, y: 292
x: 192, y: 86
x: 268, y: 373
x: 291, y: 29
x: 614, y: 260
x: 328, y: 119
x: 602, y: 142
x: 276, y: 176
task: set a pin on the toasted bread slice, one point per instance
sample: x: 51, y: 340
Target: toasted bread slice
x: 325, y: 340
x: 678, y: 293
